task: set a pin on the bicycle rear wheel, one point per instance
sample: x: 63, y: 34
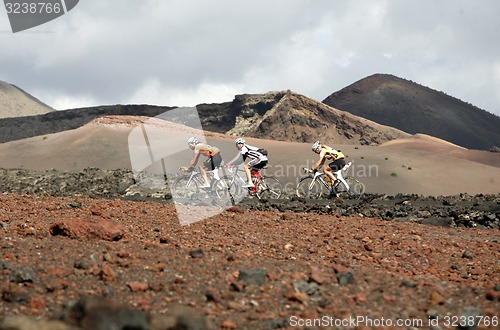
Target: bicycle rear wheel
x: 306, y: 188
x: 269, y: 187
x: 354, y: 189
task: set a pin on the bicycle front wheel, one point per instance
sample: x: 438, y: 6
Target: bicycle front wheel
x: 184, y: 188
x: 221, y: 192
x: 235, y: 189
x: 269, y: 187
x: 307, y: 188
x: 354, y: 188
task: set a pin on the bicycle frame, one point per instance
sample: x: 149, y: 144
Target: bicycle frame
x: 234, y: 175
x: 255, y: 174
x: 239, y: 181
x: 196, y: 176
x: 338, y: 175
x: 319, y: 176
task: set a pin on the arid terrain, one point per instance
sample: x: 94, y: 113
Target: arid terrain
x: 416, y: 164
x: 89, y: 241
x: 14, y: 102
x: 241, y: 269
x: 77, y: 262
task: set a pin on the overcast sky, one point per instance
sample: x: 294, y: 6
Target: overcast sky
x: 173, y: 52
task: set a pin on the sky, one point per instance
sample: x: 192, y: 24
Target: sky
x: 183, y: 53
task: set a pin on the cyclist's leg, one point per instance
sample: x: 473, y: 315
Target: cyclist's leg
x: 216, y: 160
x: 335, y: 166
x: 256, y: 164
x: 248, y: 174
x: 327, y: 169
x: 206, y: 165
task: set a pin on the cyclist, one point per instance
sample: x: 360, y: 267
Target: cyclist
x: 326, y: 152
x: 258, y: 159
x: 214, y: 158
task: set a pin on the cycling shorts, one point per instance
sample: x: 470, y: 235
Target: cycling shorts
x: 257, y: 163
x: 337, y: 164
x: 212, y: 162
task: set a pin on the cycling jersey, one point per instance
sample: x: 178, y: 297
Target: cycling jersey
x: 252, y: 153
x: 206, y: 150
x: 330, y: 153
x: 249, y: 152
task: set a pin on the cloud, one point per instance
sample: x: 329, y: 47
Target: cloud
x: 191, y: 52
x: 154, y: 92
x: 65, y: 102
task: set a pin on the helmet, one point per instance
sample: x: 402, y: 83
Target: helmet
x: 193, y: 141
x: 240, y: 141
x: 315, y: 146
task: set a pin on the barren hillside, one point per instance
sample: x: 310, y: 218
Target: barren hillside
x: 287, y: 116
x: 14, y: 102
x: 412, y: 165
x: 413, y: 108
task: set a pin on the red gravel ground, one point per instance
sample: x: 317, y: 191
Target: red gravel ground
x: 244, y: 269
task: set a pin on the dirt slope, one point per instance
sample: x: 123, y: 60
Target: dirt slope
x: 238, y: 270
x: 414, y: 108
x: 425, y: 142
x: 398, y: 167
x: 14, y: 102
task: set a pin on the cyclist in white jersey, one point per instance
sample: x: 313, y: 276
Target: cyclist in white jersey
x: 256, y: 155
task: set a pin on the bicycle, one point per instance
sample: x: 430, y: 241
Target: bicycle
x: 314, y: 186
x: 263, y: 186
x: 189, y: 184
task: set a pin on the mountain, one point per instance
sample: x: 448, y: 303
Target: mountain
x: 397, y: 166
x: 12, y: 129
x: 14, y: 102
x: 385, y: 159
x: 288, y: 116
x: 283, y: 116
x: 413, y: 108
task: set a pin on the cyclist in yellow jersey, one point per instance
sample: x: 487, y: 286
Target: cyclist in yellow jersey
x: 326, y: 152
x: 214, y: 158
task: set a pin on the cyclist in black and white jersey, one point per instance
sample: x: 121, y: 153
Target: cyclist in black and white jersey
x: 257, y: 158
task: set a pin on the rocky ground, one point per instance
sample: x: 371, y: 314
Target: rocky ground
x: 90, y: 250
x: 479, y: 211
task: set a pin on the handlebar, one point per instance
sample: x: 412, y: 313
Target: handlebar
x: 231, y: 168
x: 186, y: 170
x: 308, y: 171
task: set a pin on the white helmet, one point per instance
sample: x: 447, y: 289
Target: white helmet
x: 193, y: 141
x: 240, y: 141
x: 315, y: 146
